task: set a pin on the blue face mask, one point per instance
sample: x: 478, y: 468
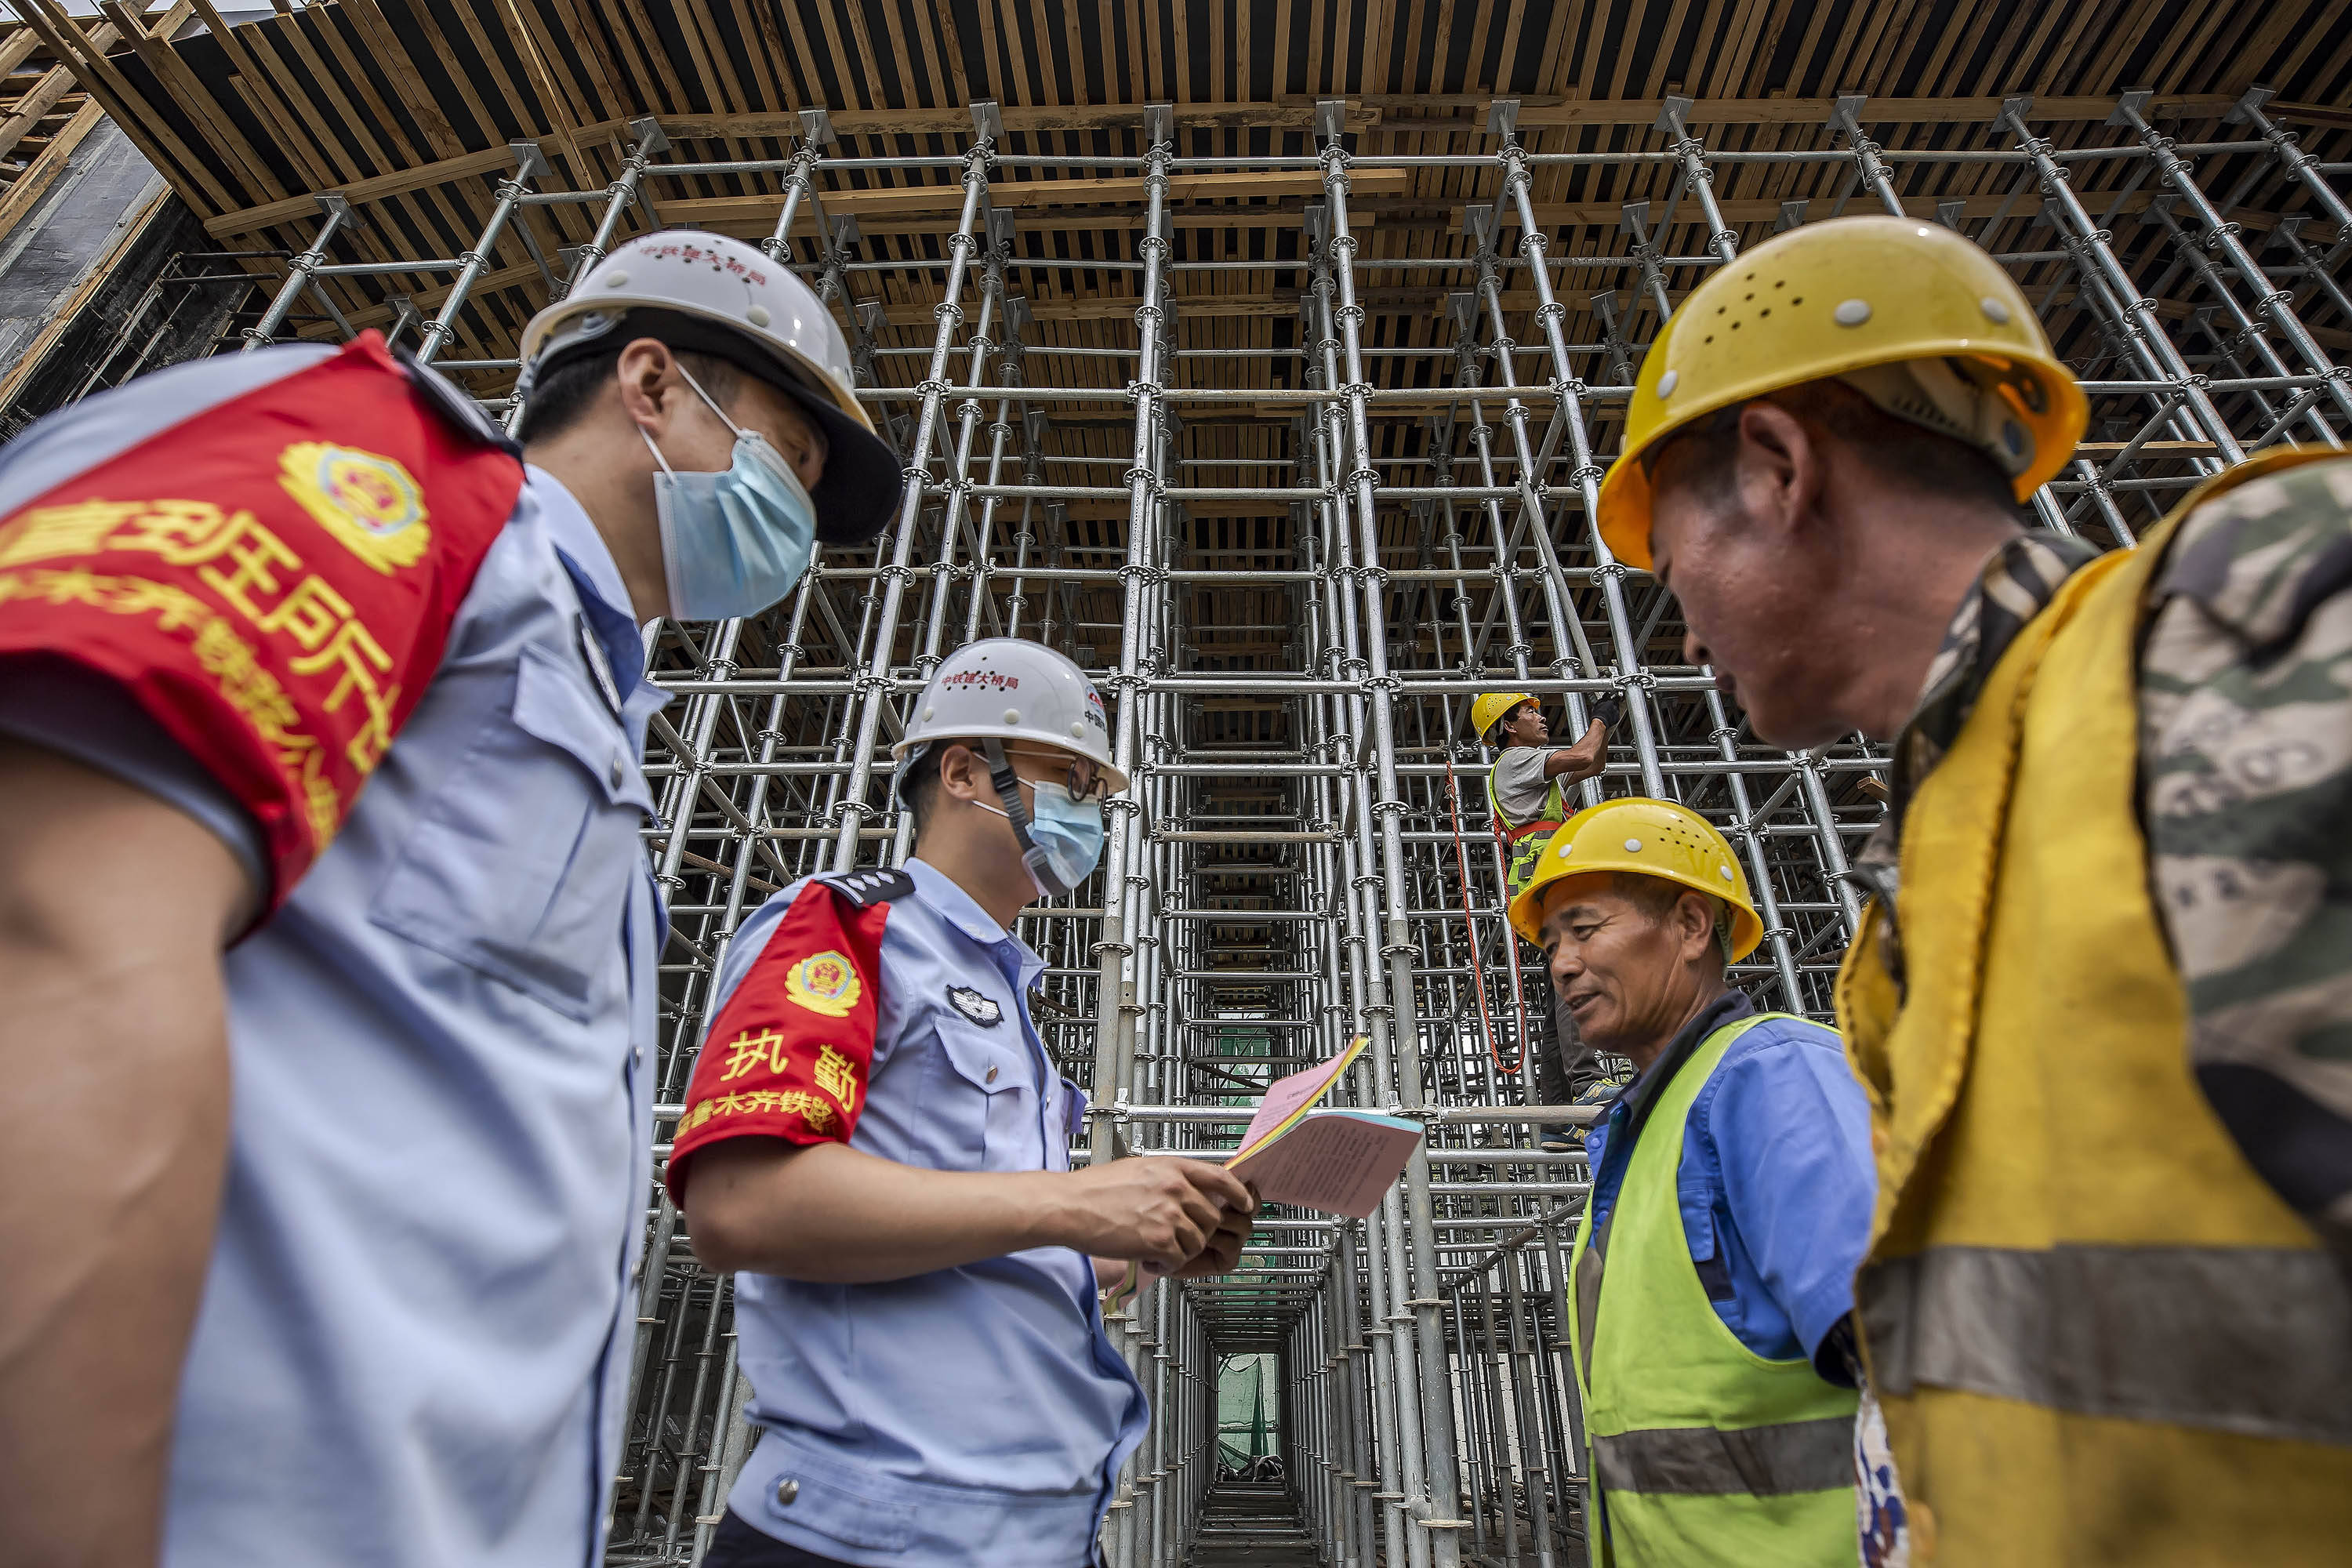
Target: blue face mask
x: 735, y: 542
x: 1061, y: 838
x: 1066, y: 834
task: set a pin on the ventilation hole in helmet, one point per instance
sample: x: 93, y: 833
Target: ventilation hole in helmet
x: 1779, y: 283
x: 1764, y: 312
x: 1796, y: 299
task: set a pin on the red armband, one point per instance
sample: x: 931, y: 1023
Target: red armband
x: 273, y: 580
x: 788, y: 1054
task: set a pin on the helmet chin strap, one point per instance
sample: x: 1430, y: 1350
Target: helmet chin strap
x: 1008, y: 795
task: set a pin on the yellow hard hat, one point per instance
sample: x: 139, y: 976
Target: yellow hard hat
x: 1651, y: 838
x: 1492, y: 706
x: 1832, y: 298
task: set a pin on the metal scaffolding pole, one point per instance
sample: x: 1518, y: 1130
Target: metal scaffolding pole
x: 1291, y: 527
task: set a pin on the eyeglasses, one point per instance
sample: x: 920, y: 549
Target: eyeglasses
x: 1084, y: 781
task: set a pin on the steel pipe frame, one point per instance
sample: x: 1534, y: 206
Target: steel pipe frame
x: 765, y: 773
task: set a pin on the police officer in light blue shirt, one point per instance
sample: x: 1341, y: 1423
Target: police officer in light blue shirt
x: 876, y: 1139
x: 326, y: 932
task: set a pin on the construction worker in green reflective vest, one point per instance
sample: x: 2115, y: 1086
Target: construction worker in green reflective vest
x: 1527, y: 789
x: 1730, y: 1202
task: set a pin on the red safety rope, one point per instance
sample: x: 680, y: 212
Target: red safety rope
x: 1470, y: 929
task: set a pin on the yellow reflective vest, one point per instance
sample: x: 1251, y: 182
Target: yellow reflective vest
x: 2098, y: 1337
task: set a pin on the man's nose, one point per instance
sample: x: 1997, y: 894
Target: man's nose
x: 1694, y: 649
x: 1565, y: 965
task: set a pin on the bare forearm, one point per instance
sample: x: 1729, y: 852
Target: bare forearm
x: 114, y: 1085
x: 1588, y: 758
x: 832, y: 1215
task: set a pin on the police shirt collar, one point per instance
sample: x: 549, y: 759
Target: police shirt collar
x: 576, y: 536
x: 940, y: 891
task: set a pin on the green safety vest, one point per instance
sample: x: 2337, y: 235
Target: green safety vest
x: 1702, y: 1452
x: 1523, y: 842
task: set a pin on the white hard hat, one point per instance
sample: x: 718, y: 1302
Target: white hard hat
x: 1009, y: 689
x: 705, y: 293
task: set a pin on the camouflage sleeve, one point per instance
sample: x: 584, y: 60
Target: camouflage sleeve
x: 2246, y: 781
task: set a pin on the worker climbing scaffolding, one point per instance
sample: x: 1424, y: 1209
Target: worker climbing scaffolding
x: 1527, y: 793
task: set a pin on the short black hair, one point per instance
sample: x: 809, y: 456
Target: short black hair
x: 918, y: 785
x: 1705, y: 459
x: 561, y: 397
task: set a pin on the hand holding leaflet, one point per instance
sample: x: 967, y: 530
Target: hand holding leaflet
x: 1339, y: 1161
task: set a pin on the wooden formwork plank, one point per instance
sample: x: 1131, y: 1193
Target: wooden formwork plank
x: 149, y: 132
x: 195, y: 99
x: 35, y: 181
x: 36, y: 106
x: 319, y: 161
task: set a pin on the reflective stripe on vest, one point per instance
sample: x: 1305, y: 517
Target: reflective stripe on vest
x: 1760, y: 1461
x: 2254, y: 1341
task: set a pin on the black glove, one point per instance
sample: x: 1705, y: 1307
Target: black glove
x: 1608, y: 711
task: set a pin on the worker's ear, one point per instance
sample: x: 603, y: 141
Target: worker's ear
x: 964, y: 776
x: 1693, y: 922
x: 1778, y: 470
x: 651, y: 389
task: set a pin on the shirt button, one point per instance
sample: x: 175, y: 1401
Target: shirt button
x: 991, y: 1074
x: 638, y: 1054
x: 618, y: 771
x: 786, y: 1491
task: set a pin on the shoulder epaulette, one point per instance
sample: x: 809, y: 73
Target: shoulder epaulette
x: 869, y: 885
x: 453, y: 403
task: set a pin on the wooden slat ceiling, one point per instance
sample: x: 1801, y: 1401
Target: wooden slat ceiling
x: 412, y: 102
x: 408, y: 107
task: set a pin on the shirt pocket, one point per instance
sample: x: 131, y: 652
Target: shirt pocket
x: 983, y: 1100
x: 520, y: 866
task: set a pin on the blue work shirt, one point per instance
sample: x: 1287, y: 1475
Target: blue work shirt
x: 972, y: 1417
x: 1776, y: 1181
x: 413, y: 1345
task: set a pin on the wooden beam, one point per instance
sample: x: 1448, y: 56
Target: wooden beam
x: 62, y: 314
x: 27, y: 192
x: 34, y: 107
x: 21, y: 45
x: 1368, y: 113
x: 2309, y: 113
x: 1027, y: 195
x: 155, y: 139
x: 1817, y: 111
x: 1068, y: 193
x: 1288, y: 114
x: 248, y: 220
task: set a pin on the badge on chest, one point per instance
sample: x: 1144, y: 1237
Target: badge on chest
x: 980, y: 1009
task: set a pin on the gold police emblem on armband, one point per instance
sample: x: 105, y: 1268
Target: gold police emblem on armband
x: 368, y: 502
x: 824, y: 982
